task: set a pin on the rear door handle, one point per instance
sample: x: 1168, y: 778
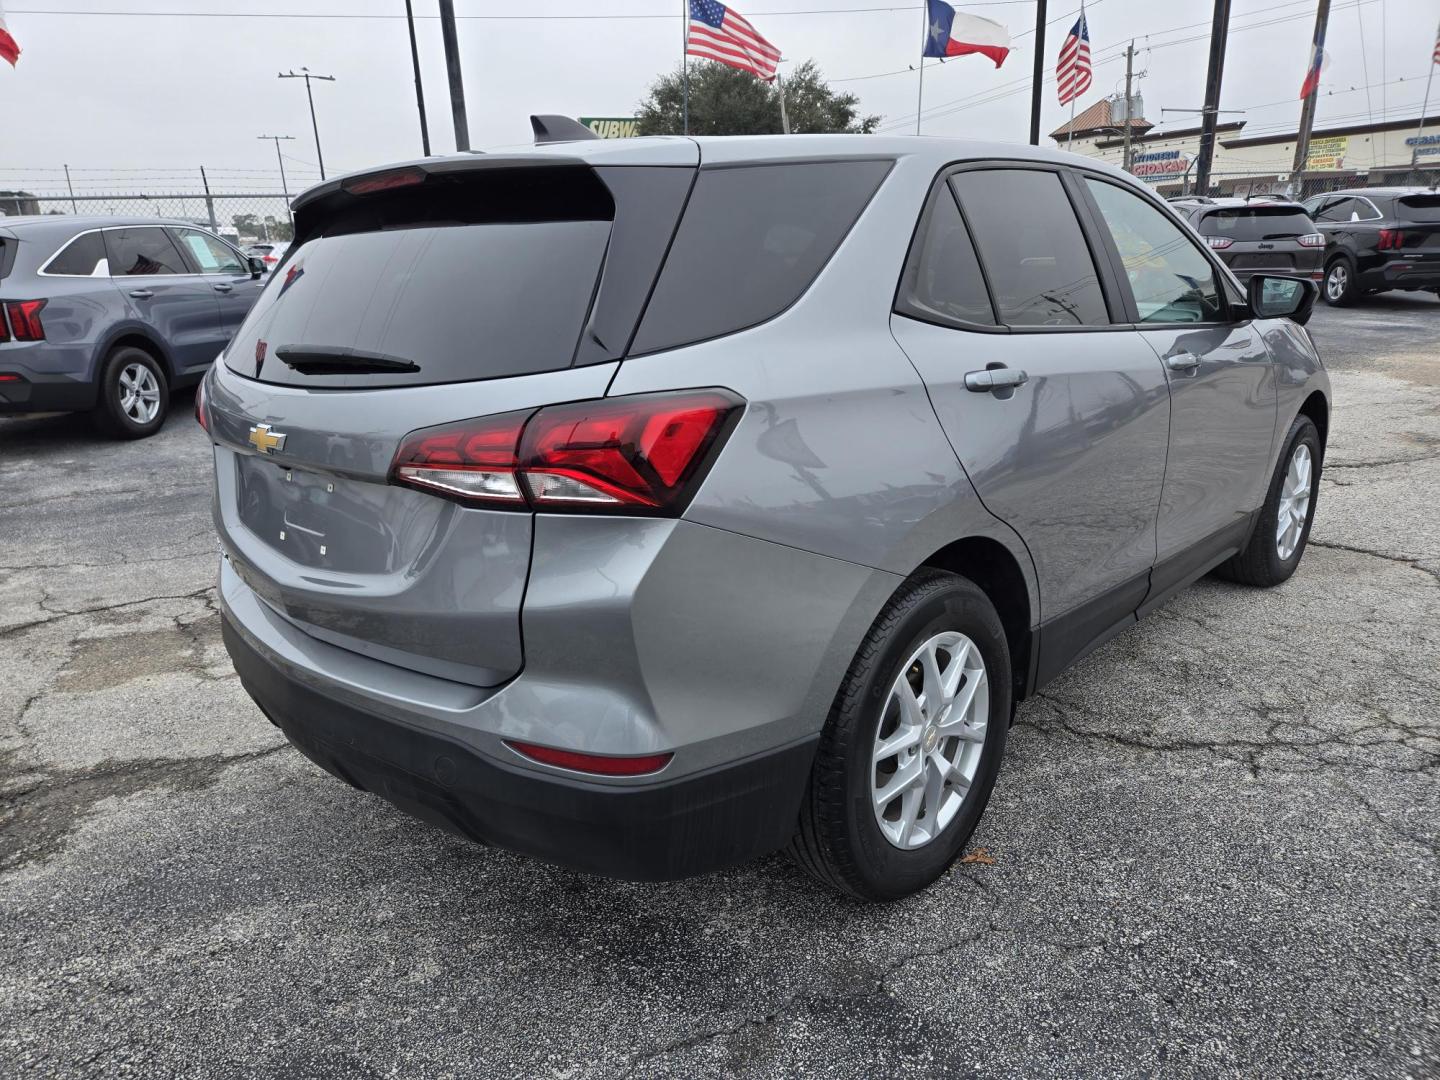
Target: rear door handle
x: 223, y: 286
x: 141, y: 294
x: 1182, y: 362
x: 1001, y: 378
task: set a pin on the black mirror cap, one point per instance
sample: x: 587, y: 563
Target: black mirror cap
x: 257, y: 266
x: 1298, y: 309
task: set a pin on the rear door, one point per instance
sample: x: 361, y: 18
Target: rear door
x: 1222, y: 383
x: 1073, y: 457
x: 494, y: 287
x: 226, y: 271
x: 162, y: 291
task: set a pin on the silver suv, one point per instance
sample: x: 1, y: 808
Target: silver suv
x: 649, y: 505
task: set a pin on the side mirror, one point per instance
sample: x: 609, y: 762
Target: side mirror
x: 257, y: 266
x: 1274, y: 297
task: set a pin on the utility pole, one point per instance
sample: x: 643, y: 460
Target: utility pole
x: 1039, y: 76
x: 1307, y: 110
x: 305, y: 74
x: 419, y: 89
x: 1129, y: 104
x: 1219, y: 30
x: 452, y: 66
x: 74, y: 208
x: 209, y: 202
x: 277, y: 140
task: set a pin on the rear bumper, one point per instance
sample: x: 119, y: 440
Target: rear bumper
x: 1403, y: 274
x: 43, y: 393
x: 649, y: 832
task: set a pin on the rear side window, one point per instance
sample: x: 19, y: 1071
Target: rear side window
x: 1250, y: 223
x: 82, y: 256
x: 752, y: 240
x: 142, y: 251
x: 1420, y: 208
x: 942, y: 281
x: 1032, y: 248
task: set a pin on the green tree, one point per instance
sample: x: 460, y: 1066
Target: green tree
x: 727, y: 101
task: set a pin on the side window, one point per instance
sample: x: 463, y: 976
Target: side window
x: 752, y: 240
x: 1032, y: 248
x: 1336, y: 210
x: 1170, y: 277
x: 942, y: 277
x: 142, y: 250
x: 84, y: 256
x: 1363, y: 211
x: 210, y: 254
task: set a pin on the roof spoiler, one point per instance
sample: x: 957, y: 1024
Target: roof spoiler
x: 553, y: 129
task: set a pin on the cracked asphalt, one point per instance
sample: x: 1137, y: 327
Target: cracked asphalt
x: 1214, y: 841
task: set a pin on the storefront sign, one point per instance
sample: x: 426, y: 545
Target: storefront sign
x: 1160, y: 163
x: 612, y: 127
x: 1327, y: 153
x: 1424, y: 144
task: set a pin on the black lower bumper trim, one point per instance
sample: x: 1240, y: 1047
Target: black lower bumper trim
x: 61, y: 395
x: 655, y: 832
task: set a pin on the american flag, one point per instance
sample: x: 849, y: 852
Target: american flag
x: 720, y: 33
x: 1072, y: 72
x: 1435, y: 56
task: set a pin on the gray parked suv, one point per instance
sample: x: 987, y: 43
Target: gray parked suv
x: 649, y: 505
x: 111, y: 314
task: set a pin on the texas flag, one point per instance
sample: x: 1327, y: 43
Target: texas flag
x: 951, y: 33
x: 8, y: 49
x: 1319, y: 61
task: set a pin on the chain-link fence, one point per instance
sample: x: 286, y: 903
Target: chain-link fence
x: 1246, y: 183
x: 242, y: 217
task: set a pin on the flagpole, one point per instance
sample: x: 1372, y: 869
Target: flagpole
x: 784, y: 118
x: 1070, y: 138
x: 685, y: 62
x: 924, y: 37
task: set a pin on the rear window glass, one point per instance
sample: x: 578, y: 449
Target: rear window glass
x: 1247, y: 223
x: 1418, y: 208
x: 437, y: 304
x: 82, y: 256
x: 943, y: 282
x: 752, y: 240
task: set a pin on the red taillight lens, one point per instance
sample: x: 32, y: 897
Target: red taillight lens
x: 4, y: 326
x: 25, y: 319
x: 10, y: 376
x: 386, y: 181
x: 1313, y: 239
x: 1219, y: 243
x: 271, y: 259
x: 640, y: 454
x: 597, y: 764
x: 201, y: 415
x: 1391, y: 239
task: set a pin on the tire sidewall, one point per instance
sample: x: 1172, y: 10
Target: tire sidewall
x: 115, y: 419
x: 891, y: 871
x: 1302, y: 430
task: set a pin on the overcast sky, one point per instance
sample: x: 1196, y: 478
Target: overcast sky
x: 132, y: 100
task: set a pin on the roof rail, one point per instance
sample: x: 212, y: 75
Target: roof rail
x: 553, y: 129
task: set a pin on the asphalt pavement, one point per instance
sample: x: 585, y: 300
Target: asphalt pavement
x: 1213, y: 847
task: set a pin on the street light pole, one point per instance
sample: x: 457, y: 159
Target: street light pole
x: 452, y: 68
x: 305, y: 73
x: 277, y: 140
x: 419, y: 87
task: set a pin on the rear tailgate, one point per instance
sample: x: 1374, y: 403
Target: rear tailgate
x: 1419, y: 217
x: 496, y: 288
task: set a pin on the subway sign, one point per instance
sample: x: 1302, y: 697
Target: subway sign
x: 613, y: 127
x: 1160, y: 163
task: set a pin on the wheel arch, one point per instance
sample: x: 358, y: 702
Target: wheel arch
x: 1317, y: 408
x: 135, y: 337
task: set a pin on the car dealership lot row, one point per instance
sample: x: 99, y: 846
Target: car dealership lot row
x: 1214, y: 841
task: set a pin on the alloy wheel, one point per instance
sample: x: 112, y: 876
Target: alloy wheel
x: 1337, y: 281
x: 1294, y: 502
x: 139, y: 393
x: 929, y: 740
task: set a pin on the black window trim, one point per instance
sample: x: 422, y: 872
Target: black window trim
x: 1235, y: 314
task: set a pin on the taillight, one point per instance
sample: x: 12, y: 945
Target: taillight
x: 1391, y: 239
x: 597, y: 764
x: 201, y: 414
x: 1313, y: 239
x: 4, y: 326
x: 640, y: 454
x: 270, y: 259
x: 1219, y: 243
x: 25, y: 322
x: 385, y: 181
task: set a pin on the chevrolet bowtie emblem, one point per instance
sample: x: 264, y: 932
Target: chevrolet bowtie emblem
x: 265, y: 440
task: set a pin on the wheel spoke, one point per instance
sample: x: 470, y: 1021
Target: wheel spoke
x: 907, y: 736
x: 935, y: 695
x: 960, y: 711
x: 908, y: 776
x: 909, y: 811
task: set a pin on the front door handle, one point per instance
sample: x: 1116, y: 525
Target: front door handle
x: 223, y: 286
x: 999, y: 378
x: 1182, y: 362
x: 141, y: 294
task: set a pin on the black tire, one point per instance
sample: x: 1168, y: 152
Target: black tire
x: 110, y: 414
x: 838, y: 840
x: 1260, y: 563
x: 1340, y: 281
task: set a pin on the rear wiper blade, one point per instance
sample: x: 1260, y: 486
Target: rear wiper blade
x: 338, y: 360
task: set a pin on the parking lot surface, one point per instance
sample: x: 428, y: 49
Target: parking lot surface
x: 1214, y: 841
